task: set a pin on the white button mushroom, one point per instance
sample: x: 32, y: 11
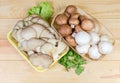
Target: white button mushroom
x: 93, y: 52
x: 104, y: 38
x: 82, y: 49
x: 82, y: 38
x: 105, y: 47
x: 96, y: 29
x: 94, y: 38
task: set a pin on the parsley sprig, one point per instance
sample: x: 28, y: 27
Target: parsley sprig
x: 73, y: 60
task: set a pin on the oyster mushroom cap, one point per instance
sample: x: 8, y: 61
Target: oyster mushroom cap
x: 28, y: 33
x: 38, y: 28
x: 20, y: 23
x: 41, y: 60
x: 47, y: 48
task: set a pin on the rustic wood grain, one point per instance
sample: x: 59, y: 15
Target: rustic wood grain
x: 14, y: 69
x: 95, y: 72
x: 99, y: 8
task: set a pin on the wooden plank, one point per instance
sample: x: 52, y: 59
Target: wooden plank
x: 8, y: 52
x: 95, y: 72
x: 99, y: 8
x: 75, y: 1
x: 112, y: 24
x: 5, y: 26
x: 100, y: 70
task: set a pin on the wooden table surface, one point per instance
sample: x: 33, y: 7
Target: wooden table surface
x: 14, y: 69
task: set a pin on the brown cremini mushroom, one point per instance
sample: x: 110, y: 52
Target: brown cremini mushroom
x: 65, y: 30
x: 81, y: 17
x: 67, y: 14
x: 71, y: 9
x: 75, y: 15
x: 71, y: 41
x: 87, y: 25
x: 61, y: 19
x: 73, y: 21
x: 78, y: 28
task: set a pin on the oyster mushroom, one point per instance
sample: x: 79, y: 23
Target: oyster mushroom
x: 41, y: 60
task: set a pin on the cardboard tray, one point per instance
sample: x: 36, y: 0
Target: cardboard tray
x: 101, y: 30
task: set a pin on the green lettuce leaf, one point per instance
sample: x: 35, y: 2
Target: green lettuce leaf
x: 34, y: 10
x: 44, y: 10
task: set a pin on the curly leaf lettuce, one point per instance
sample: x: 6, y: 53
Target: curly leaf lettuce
x: 34, y: 10
x: 44, y: 10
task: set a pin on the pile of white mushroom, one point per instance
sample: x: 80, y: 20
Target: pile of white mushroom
x: 81, y: 33
x: 93, y: 44
x: 38, y: 40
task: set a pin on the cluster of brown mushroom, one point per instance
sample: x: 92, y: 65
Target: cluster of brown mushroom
x: 71, y: 22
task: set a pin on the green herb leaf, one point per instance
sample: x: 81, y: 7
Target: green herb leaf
x: 70, y: 53
x: 34, y: 10
x: 44, y: 10
x: 79, y: 70
x: 73, y: 60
